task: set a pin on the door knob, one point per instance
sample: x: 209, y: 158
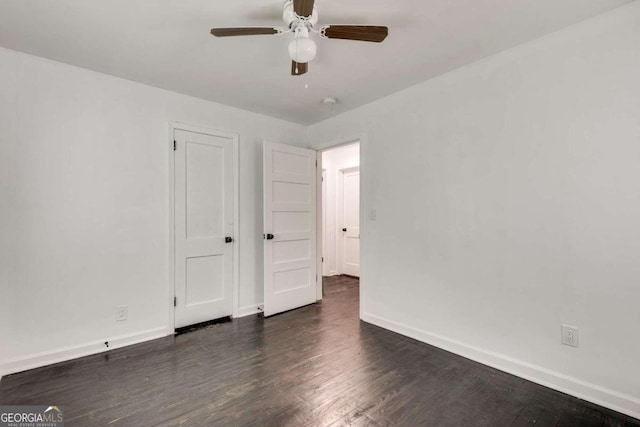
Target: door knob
x: 344, y: 229
x: 270, y: 236
x: 228, y: 239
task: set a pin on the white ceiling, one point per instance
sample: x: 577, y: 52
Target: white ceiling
x: 166, y: 43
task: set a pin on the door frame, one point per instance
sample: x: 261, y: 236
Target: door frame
x: 340, y: 243
x: 320, y: 148
x: 324, y: 217
x: 173, y: 126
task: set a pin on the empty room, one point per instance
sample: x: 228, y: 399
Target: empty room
x: 319, y: 213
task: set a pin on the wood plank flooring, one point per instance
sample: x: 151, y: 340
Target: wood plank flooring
x: 315, y: 366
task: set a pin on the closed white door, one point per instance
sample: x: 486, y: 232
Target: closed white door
x: 203, y: 227
x: 351, y: 222
x: 289, y: 227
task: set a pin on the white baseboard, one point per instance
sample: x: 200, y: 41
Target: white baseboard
x: 602, y: 396
x: 72, y: 352
x: 248, y: 310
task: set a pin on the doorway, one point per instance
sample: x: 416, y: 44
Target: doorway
x: 340, y: 213
x: 309, y: 198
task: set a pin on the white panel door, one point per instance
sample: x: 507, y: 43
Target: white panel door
x: 289, y: 227
x: 351, y: 222
x: 203, y: 225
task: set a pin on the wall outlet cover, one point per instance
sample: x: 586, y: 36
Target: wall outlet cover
x: 121, y: 313
x: 569, y: 335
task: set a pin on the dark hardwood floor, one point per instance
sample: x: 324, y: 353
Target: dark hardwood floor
x: 318, y: 365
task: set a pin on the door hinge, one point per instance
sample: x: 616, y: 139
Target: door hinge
x: 175, y: 301
x: 322, y: 259
x: 174, y: 145
x: 316, y: 163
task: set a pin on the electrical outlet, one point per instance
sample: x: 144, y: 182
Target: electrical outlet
x: 569, y: 335
x: 121, y: 313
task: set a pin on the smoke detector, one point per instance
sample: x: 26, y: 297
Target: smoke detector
x: 329, y: 102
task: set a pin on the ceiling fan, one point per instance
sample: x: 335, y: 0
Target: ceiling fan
x: 300, y: 17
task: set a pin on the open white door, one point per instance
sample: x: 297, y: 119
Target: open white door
x: 289, y: 227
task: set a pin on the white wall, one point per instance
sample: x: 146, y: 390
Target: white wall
x: 333, y: 161
x: 84, y: 213
x: 508, y: 203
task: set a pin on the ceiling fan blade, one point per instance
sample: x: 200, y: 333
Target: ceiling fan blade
x: 365, y: 33
x: 246, y: 31
x: 300, y: 67
x: 303, y: 7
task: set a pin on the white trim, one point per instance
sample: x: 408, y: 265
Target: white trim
x: 319, y: 225
x: 171, y: 321
x: 338, y: 204
x: 591, y: 392
x: 322, y: 230
x: 325, y: 146
x: 173, y: 126
x: 63, y: 354
x: 236, y: 227
x: 249, y: 310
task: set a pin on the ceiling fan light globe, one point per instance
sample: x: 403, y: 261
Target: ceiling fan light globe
x: 302, y: 50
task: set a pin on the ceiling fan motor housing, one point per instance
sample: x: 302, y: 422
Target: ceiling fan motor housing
x: 292, y: 20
